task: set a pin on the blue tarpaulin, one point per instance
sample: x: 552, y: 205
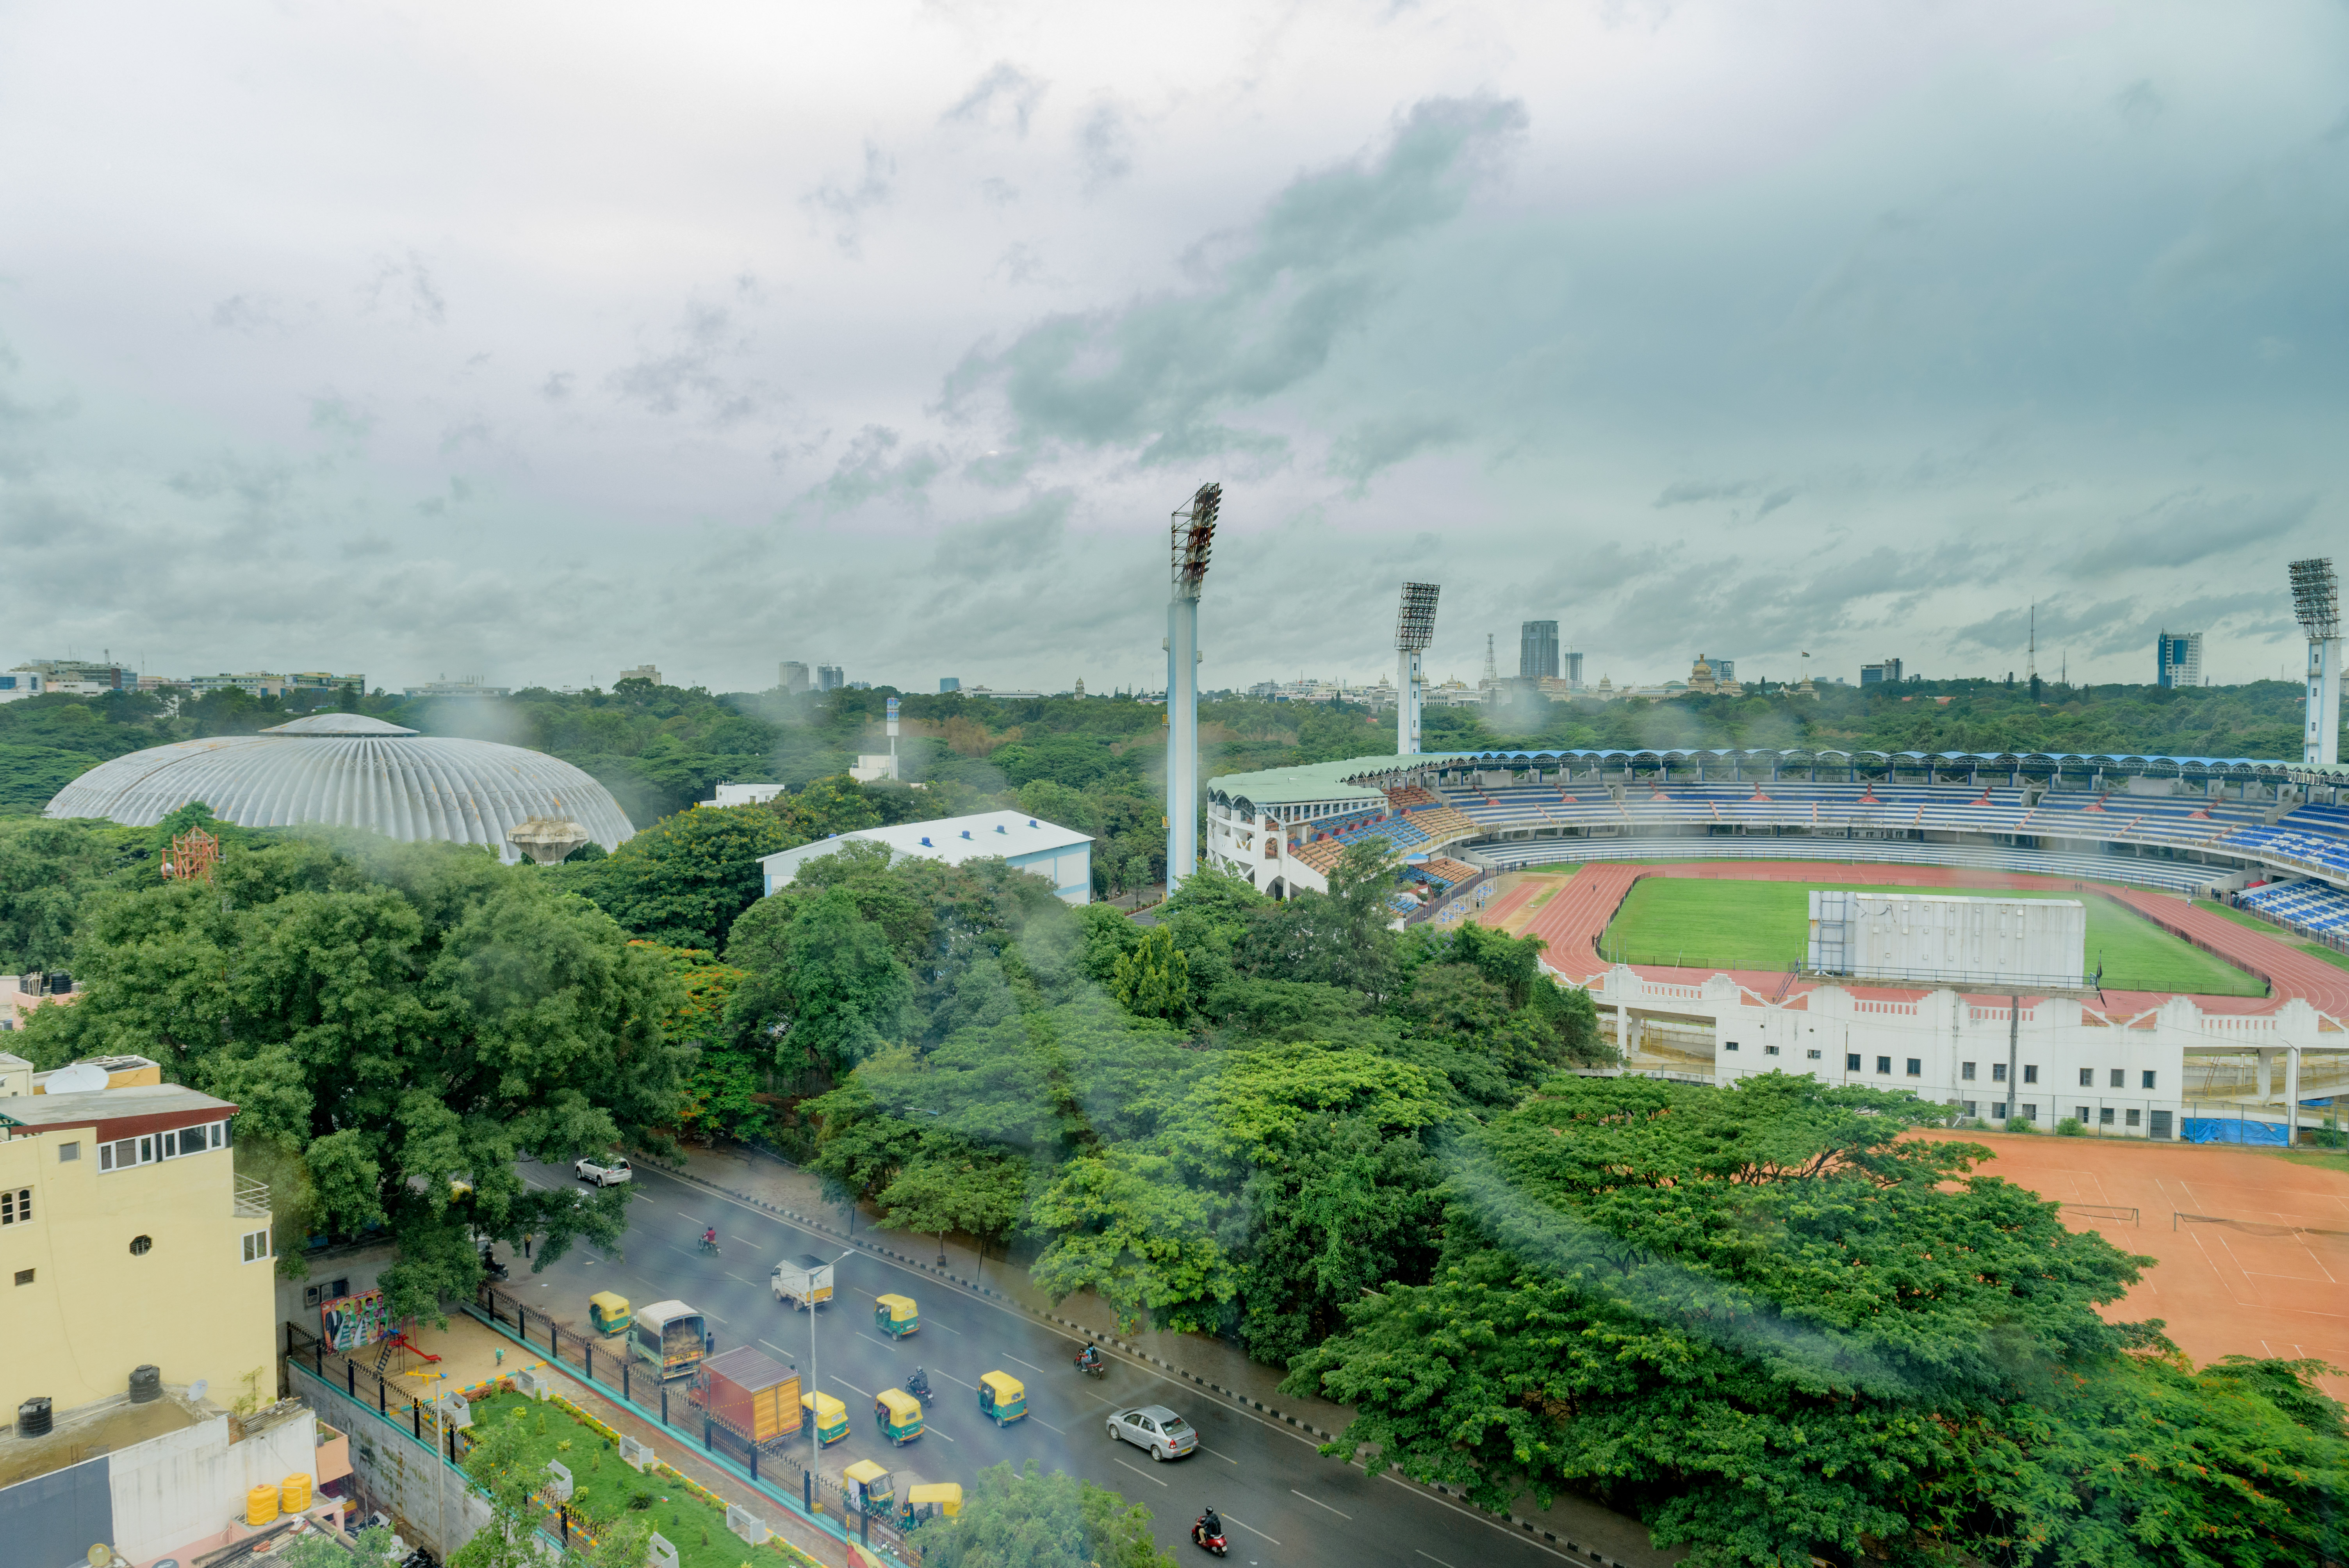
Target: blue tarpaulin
x: 2213, y: 1129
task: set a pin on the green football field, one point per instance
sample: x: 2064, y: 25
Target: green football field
x: 1714, y: 924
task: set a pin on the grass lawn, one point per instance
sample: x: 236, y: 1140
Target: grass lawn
x: 1766, y: 925
x: 604, y: 1485
x: 2269, y: 928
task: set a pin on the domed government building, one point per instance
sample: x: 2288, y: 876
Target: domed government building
x: 346, y: 771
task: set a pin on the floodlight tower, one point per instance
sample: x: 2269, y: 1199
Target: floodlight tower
x: 1192, y: 535
x: 1415, y: 629
x: 2316, y: 605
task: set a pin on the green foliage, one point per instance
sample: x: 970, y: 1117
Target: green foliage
x: 826, y: 988
x: 1770, y: 1327
x: 393, y: 1021
x: 503, y: 1464
x: 685, y: 879
x: 315, y: 1550
x: 1025, y: 1519
x: 2071, y: 1127
x: 1153, y: 979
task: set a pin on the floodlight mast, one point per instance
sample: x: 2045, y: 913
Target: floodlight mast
x: 2317, y: 605
x: 1191, y: 538
x: 1415, y: 629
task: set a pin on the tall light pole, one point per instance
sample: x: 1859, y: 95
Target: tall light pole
x: 1192, y: 536
x: 815, y: 1383
x: 2317, y: 605
x: 1415, y: 629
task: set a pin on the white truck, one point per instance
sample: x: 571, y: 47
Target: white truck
x: 603, y: 1172
x: 804, y: 1281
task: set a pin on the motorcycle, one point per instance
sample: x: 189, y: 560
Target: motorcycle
x: 707, y: 1245
x: 1206, y: 1539
x: 491, y: 1266
x: 919, y: 1385
x: 1096, y: 1367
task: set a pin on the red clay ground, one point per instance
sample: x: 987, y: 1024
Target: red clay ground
x: 1572, y: 920
x: 2223, y: 1291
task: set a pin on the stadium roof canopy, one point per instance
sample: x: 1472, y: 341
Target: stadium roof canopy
x: 1337, y: 783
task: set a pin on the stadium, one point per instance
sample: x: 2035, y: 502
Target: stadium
x: 2215, y: 1024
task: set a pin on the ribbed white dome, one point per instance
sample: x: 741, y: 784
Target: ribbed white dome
x: 350, y: 772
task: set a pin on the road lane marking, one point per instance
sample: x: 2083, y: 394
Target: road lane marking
x: 1318, y: 1504
x: 683, y: 1215
x: 1430, y: 1556
x: 778, y: 1350
x: 850, y: 1386
x: 738, y: 1279
x: 1043, y: 1423
x: 1260, y: 1535
x: 1030, y: 1365
x: 869, y: 1340
x: 1226, y: 1457
x: 933, y: 1432
x: 1484, y: 1519
x: 744, y: 1240
x: 958, y: 1382
x: 1143, y: 1473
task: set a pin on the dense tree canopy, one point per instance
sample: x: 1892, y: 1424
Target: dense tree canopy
x: 1025, y: 1519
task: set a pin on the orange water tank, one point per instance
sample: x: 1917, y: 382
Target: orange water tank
x: 261, y: 1505
x: 295, y: 1493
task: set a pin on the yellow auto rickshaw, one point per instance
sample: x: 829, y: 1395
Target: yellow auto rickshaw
x: 1002, y: 1398
x: 896, y: 1316
x: 898, y: 1415
x: 608, y: 1313
x: 830, y: 1416
x: 926, y: 1503
x: 869, y: 1487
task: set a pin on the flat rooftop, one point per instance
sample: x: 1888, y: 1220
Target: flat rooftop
x: 87, y: 1108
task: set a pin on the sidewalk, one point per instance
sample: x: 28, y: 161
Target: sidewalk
x: 1211, y: 1363
x: 469, y: 1351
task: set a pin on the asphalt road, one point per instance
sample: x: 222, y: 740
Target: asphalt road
x: 1282, y: 1502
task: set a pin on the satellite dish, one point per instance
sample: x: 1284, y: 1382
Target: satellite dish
x: 76, y: 1079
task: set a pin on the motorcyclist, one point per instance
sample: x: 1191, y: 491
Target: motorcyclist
x: 1090, y: 1358
x: 1209, y: 1527
x: 709, y: 1237
x: 919, y: 1385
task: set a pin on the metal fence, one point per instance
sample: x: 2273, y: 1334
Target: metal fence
x: 775, y: 1472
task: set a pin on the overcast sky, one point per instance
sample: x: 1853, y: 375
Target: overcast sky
x: 537, y: 341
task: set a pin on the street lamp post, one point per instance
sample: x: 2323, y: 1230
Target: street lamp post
x: 815, y: 1384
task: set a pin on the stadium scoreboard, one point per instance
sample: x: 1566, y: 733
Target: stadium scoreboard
x: 1964, y: 943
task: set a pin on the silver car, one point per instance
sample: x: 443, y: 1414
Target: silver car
x: 1166, y: 1435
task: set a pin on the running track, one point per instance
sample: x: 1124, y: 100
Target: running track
x: 1580, y: 910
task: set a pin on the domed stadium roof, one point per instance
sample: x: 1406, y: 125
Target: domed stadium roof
x: 346, y: 771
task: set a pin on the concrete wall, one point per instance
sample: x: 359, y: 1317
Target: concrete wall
x: 425, y: 1495
x: 182, y: 1486
x: 360, y: 1267
x: 189, y: 1304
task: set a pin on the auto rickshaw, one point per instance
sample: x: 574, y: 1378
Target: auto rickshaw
x: 896, y: 1316
x: 1002, y: 1398
x: 923, y: 1502
x: 609, y: 1313
x: 869, y: 1487
x: 898, y: 1415
x: 830, y: 1416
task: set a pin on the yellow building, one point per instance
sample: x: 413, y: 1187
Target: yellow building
x: 128, y: 1238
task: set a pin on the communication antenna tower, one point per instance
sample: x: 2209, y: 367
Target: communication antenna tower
x: 2031, y: 655
x: 2317, y: 605
x: 1415, y: 629
x: 1492, y: 672
x: 1191, y: 538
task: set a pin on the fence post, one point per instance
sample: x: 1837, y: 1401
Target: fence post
x: 664, y: 1403
x: 754, y: 1464
x: 589, y: 1345
x: 318, y: 1354
x: 624, y: 1395
x: 707, y: 1442
x: 807, y: 1489
x: 382, y: 1396
x: 416, y: 1418
x: 351, y: 1379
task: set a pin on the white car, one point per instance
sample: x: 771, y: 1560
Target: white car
x: 1166, y: 1435
x: 602, y: 1172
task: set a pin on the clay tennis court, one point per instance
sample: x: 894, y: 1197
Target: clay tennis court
x: 2225, y: 1289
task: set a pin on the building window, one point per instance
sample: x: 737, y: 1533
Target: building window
x: 2105, y: 1117
x: 2030, y: 1074
x: 1998, y: 1110
x: 1813, y: 1054
x: 2087, y: 1077
x: 141, y: 1245
x: 2148, y: 1078
x: 1769, y: 1050
x: 24, y: 1277
x: 2082, y: 1113
x: 1973, y: 1108
x: 16, y: 1206
x: 256, y: 1247
x: 2030, y: 1111
x: 1998, y: 1072
x: 1884, y: 1064
x: 69, y: 1151
x: 2120, y: 1077
x: 1851, y: 1061
x: 1916, y: 1067
x: 1966, y: 1071
x: 1732, y: 1045
x: 2133, y: 1118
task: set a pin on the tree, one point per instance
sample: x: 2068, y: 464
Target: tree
x: 1773, y: 1327
x: 1025, y: 1519
x: 1154, y: 980
x: 826, y: 989
x: 949, y: 1186
x: 500, y: 1464
x: 398, y: 1023
x: 46, y: 868
x: 684, y: 879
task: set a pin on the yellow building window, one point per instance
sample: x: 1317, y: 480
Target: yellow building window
x: 16, y: 1206
x: 256, y: 1247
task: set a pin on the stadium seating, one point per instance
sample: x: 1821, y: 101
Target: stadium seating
x: 2177, y: 876
x: 2308, y: 906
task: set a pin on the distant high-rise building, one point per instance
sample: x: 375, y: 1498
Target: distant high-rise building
x: 829, y: 677
x: 1537, y: 650
x: 949, y: 683
x: 1723, y: 669
x: 2178, y: 659
x: 791, y: 675
x: 642, y: 673
x: 1570, y: 666
x: 1886, y: 673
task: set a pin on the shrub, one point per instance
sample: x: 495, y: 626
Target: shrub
x: 2020, y: 1124
x: 2071, y: 1127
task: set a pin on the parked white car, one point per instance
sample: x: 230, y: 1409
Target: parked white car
x: 603, y: 1172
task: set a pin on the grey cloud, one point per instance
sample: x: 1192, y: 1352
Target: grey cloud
x: 1104, y: 145
x: 1377, y: 444
x: 1682, y: 492
x: 406, y: 283
x: 844, y: 206
x: 2187, y: 527
x: 873, y: 469
x: 1773, y: 501
x: 999, y: 191
x: 252, y: 314
x: 557, y: 387
x: 1023, y: 540
x: 334, y: 415
x: 689, y: 372
x: 2139, y: 100
x: 1005, y: 91
x: 1154, y: 375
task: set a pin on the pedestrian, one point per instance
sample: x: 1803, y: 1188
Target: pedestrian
x: 525, y: 1246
